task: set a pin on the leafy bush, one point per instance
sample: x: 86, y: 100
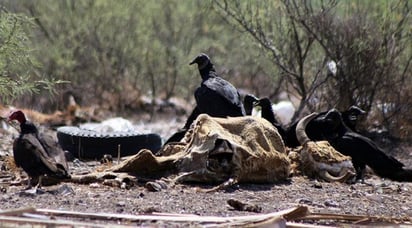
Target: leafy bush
x: 369, y: 42
x: 18, y: 74
x: 115, y: 52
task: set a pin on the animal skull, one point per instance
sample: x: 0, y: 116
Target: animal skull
x: 320, y: 159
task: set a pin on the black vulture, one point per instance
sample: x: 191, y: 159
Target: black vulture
x: 249, y: 101
x: 269, y: 115
x: 38, y: 154
x: 351, y: 116
x: 289, y: 134
x: 314, y: 127
x: 216, y: 96
x: 362, y: 150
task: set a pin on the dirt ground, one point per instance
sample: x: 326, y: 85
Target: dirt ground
x: 376, y: 197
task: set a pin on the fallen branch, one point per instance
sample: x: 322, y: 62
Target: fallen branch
x: 354, y: 218
x: 18, y: 211
x: 282, y: 218
x: 22, y: 220
x: 168, y: 217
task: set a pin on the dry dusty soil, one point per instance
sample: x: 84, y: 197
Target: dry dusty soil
x: 376, y: 197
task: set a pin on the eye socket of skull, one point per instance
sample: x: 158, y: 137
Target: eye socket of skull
x: 220, y: 157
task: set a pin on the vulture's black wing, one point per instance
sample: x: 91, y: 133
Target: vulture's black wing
x: 219, y: 98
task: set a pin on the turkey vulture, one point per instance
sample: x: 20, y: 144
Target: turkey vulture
x: 216, y: 96
x: 38, y: 154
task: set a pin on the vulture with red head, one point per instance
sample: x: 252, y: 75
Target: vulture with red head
x: 37, y: 154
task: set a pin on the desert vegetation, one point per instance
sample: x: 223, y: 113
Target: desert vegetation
x: 112, y: 54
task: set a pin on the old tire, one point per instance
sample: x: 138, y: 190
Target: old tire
x: 88, y: 144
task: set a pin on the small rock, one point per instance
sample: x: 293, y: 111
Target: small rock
x: 379, y: 190
x: 150, y: 210
x: 317, y: 185
x: 62, y: 190
x: 304, y: 201
x: 112, y: 182
x: 375, y: 198
x: 140, y: 195
x: 107, y: 159
x: 121, y: 204
x: 6, y: 197
x: 240, y: 206
x: 32, y: 192
x: 94, y: 185
x: 331, y: 203
x: 120, y: 210
x: 155, y: 186
x: 404, y: 208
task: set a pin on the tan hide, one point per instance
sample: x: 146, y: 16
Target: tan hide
x: 248, y: 149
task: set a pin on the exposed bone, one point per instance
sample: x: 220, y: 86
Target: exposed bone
x: 301, y: 126
x: 329, y: 177
x: 319, y: 159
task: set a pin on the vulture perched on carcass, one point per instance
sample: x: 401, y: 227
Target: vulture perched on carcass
x: 269, y: 115
x: 215, y: 96
x: 249, y: 102
x: 37, y: 154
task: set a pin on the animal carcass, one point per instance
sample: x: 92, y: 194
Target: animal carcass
x: 215, y: 150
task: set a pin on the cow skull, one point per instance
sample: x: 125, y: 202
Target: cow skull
x: 320, y: 159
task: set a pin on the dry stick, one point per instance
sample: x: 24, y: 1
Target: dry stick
x: 18, y: 211
x: 118, y: 154
x: 271, y: 218
x: 172, y: 217
x: 20, y: 220
x: 304, y: 225
x: 320, y: 216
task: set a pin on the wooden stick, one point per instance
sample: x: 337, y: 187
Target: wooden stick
x: 118, y: 154
x: 166, y: 217
x: 18, y: 211
x: 304, y: 225
x: 20, y: 220
x: 319, y: 216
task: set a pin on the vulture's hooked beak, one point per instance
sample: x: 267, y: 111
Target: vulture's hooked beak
x: 256, y: 103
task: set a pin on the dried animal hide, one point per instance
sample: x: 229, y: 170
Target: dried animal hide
x: 247, y: 149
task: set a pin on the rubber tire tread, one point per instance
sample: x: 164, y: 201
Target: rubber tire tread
x: 86, y: 144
